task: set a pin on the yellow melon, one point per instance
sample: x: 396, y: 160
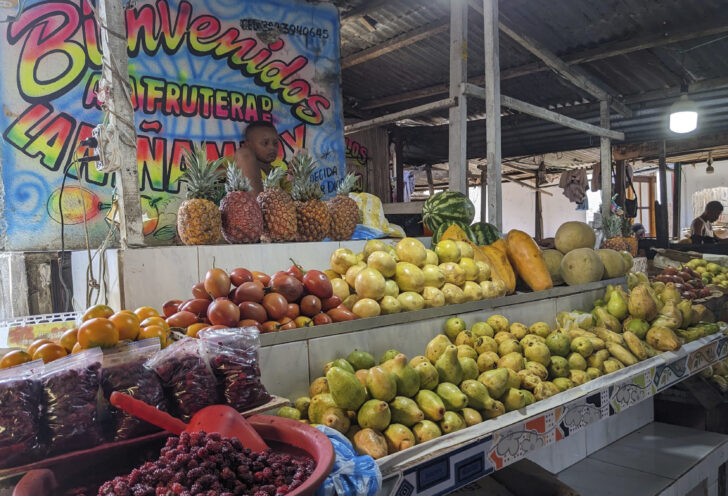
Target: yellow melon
x: 614, y: 265
x: 572, y: 235
x: 553, y: 263
x: 581, y: 266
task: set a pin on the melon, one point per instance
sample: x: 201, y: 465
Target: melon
x: 484, y: 233
x: 553, y: 263
x: 572, y: 235
x: 613, y: 263
x: 447, y: 206
x: 581, y: 266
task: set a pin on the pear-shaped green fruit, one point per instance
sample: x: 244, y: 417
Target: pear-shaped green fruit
x: 540, y: 329
x: 448, y: 366
x: 418, y: 360
x: 532, y: 338
x: 538, y: 370
x: 289, y: 412
x: 513, y: 361
x: 514, y: 399
x: 641, y: 304
x: 399, y: 438
x: 374, y: 414
x: 465, y: 351
x: 563, y: 383
x: 530, y: 398
x: 436, y: 346
x: 318, y: 386
x: 477, y: 393
x: 382, y: 385
x: 388, y: 355
x: 576, y: 362
x: 509, y: 346
x: 453, y: 327
x: 464, y: 337
x: 452, y: 422
x: 558, y: 344
x: 408, y: 380
x: 578, y: 377
x: 469, y: 367
x: 431, y: 405
x: 360, y: 360
x: 471, y: 417
x: 528, y: 380
x: 559, y: 367
x: 319, y: 404
x: 592, y: 373
x: 482, y: 329
x: 545, y: 390
x: 405, y: 411
x: 495, y: 380
x: 370, y: 442
x: 606, y: 319
x: 346, y: 388
x: 537, y: 352
x: 617, y: 305
x: 337, y: 419
x: 426, y: 430
x: 429, y: 378
x: 302, y: 404
x: 583, y: 346
x: 341, y: 363
x: 497, y: 409
x: 487, y: 361
x: 514, y: 380
x: 451, y: 396
x: 686, y: 308
x: 486, y: 343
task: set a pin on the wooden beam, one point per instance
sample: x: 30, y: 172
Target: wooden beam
x: 605, y: 155
x: 651, y: 149
x: 396, y: 43
x: 493, y: 111
x: 458, y: 116
x: 391, y: 118
x: 526, y: 185
x: 575, y: 75
x: 116, y: 70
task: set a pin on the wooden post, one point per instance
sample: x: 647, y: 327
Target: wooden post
x: 605, y: 154
x: 676, y: 200
x: 620, y: 178
x: 662, y: 221
x: 493, y: 112
x: 483, y: 193
x: 399, y: 167
x: 116, y: 70
x: 458, y: 134
x: 539, y: 204
x: 430, y: 183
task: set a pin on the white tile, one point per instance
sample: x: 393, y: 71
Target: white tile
x: 609, y: 430
x: 594, y: 477
x: 558, y: 456
x: 152, y: 276
x: 284, y: 369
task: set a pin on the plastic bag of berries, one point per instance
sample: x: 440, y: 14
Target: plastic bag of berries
x: 188, y: 380
x: 70, y: 390
x: 124, y: 371
x: 20, y: 404
x: 234, y: 359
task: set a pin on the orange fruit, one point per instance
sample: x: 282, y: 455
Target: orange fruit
x: 98, y: 312
x: 49, y: 352
x: 195, y: 328
x: 76, y: 348
x: 98, y: 332
x: 159, y: 321
x: 154, y: 331
x: 13, y: 358
x: 127, y: 311
x: 69, y: 339
x: 37, y: 344
x: 127, y: 324
x: 145, y: 313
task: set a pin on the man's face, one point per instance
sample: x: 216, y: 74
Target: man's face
x: 264, y: 143
x: 714, y: 215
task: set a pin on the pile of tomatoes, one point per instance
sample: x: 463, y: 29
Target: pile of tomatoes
x: 285, y: 300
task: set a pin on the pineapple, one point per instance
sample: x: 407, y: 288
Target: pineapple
x: 312, y: 214
x: 279, y: 211
x: 344, y: 211
x: 618, y: 234
x: 242, y: 219
x: 198, y: 218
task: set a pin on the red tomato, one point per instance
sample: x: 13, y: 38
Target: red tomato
x: 182, y: 319
x: 217, y: 283
x: 322, y: 319
x: 252, y: 310
x: 171, y: 307
x: 276, y: 306
x: 223, y: 312
x: 286, y: 324
x: 296, y: 271
x: 199, y: 291
x: 293, y: 311
x: 287, y: 285
x: 310, y: 305
x: 330, y: 303
x: 239, y: 276
x: 197, y: 306
x: 269, y: 326
x: 264, y: 279
x: 317, y: 283
x: 249, y: 291
x: 341, y: 314
x: 250, y: 323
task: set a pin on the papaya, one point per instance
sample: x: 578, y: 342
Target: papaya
x: 525, y: 256
x: 500, y: 262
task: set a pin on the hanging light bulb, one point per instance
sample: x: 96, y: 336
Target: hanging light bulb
x: 710, y: 169
x: 683, y: 115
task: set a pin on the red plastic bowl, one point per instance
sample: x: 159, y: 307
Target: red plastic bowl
x: 289, y: 436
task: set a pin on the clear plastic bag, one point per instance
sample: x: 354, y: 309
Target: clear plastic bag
x: 233, y: 355
x: 70, y: 390
x: 186, y: 375
x: 20, y: 406
x: 124, y: 371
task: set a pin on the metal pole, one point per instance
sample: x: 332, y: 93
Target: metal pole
x: 116, y: 70
x: 493, y: 112
x: 676, y: 199
x: 662, y: 221
x: 605, y: 153
x: 458, y: 135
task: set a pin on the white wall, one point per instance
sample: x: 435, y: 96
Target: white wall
x: 695, y: 179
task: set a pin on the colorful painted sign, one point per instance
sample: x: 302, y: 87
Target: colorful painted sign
x: 200, y: 70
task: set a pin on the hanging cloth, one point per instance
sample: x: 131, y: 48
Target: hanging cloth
x: 574, y: 183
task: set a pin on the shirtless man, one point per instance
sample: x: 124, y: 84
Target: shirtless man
x: 701, y: 230
x: 259, y: 150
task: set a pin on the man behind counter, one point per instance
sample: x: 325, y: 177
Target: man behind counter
x: 259, y: 150
x: 701, y: 230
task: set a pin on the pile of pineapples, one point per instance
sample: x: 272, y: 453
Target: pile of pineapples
x: 273, y: 217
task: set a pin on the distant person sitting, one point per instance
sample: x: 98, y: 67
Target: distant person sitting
x: 638, y: 230
x: 701, y: 230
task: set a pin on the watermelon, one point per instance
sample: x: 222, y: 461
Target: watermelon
x: 443, y: 227
x: 447, y: 206
x: 484, y: 233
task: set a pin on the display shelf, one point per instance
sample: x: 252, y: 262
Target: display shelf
x: 452, y: 461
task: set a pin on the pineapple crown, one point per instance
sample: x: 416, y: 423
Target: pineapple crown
x: 273, y: 180
x: 616, y: 226
x: 347, y: 184
x: 234, y: 179
x: 304, y: 188
x: 201, y: 175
